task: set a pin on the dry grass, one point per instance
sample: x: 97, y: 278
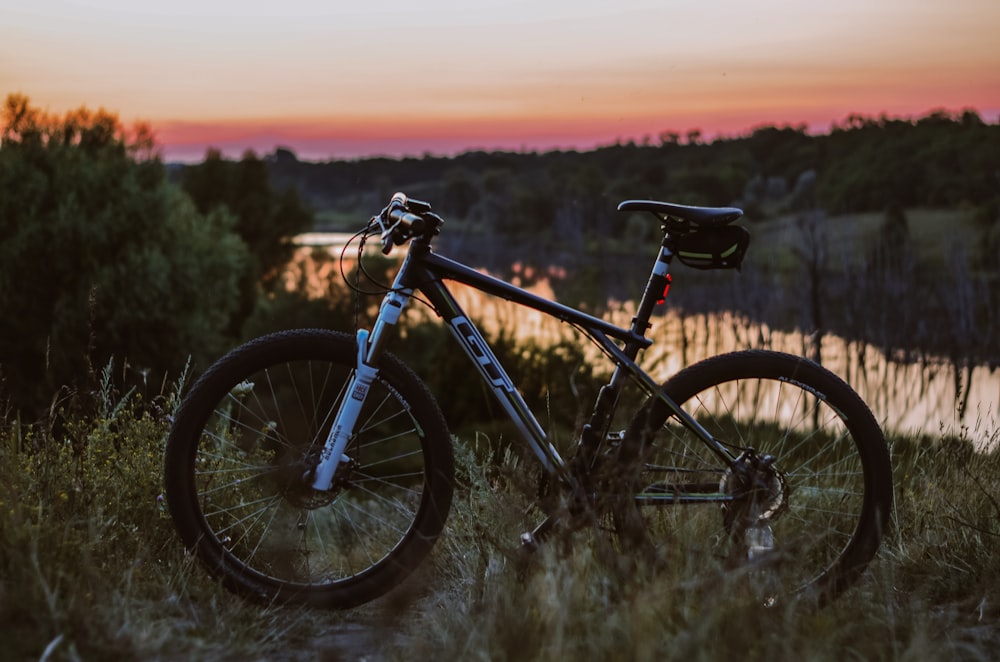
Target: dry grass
x: 90, y: 569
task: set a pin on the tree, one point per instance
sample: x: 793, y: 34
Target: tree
x: 460, y: 192
x: 266, y: 219
x: 100, y: 256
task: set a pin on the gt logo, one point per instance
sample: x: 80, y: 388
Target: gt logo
x: 477, y: 348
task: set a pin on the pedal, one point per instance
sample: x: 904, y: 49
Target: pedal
x: 531, y: 539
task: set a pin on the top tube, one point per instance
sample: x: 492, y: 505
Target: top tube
x: 442, y: 267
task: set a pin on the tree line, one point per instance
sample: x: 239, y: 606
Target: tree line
x: 944, y: 159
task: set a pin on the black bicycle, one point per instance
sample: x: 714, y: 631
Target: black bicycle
x: 314, y: 467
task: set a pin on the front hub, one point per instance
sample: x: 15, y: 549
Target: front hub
x: 296, y: 484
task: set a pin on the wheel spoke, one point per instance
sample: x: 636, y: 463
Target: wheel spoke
x: 239, y: 462
x: 800, y: 475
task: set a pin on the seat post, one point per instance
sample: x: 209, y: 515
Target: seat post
x: 655, y: 292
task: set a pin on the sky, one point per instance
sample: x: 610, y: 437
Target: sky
x: 335, y: 79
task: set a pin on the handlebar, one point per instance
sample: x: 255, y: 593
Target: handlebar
x: 404, y: 219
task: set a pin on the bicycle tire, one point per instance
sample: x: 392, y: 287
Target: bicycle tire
x: 248, y: 432
x: 825, y: 497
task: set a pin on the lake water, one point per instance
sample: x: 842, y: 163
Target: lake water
x: 930, y: 396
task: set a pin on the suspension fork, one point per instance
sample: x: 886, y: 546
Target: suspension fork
x: 370, y: 348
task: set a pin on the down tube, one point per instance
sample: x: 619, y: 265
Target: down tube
x: 477, y: 349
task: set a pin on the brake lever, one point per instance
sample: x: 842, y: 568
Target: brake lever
x: 387, y: 237
x: 384, y: 231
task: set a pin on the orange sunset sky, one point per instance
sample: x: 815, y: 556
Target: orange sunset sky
x: 334, y: 79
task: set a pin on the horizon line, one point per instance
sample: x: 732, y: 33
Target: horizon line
x: 326, y: 140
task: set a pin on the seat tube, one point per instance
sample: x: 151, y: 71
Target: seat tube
x: 655, y: 292
x: 607, y: 399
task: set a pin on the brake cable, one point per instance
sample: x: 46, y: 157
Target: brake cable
x: 373, y: 228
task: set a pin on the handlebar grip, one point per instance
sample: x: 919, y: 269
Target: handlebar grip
x: 399, y: 214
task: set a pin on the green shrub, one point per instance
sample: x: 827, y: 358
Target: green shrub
x: 100, y: 255
x: 81, y: 527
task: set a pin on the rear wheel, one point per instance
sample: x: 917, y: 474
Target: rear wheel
x: 805, y: 504
x: 241, y: 451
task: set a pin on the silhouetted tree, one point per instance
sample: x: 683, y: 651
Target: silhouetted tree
x: 266, y: 219
x: 100, y: 256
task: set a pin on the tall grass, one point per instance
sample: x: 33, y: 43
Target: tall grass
x: 932, y: 594
x: 90, y: 569
x: 89, y: 564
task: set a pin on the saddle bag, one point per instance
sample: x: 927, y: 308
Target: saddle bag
x: 713, y: 248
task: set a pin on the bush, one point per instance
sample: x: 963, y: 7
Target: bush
x: 100, y: 255
x: 80, y: 526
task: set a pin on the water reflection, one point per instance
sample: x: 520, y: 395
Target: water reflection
x: 929, y: 396
x: 908, y: 397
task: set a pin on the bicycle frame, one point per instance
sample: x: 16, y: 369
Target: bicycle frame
x: 795, y: 489
x: 425, y: 271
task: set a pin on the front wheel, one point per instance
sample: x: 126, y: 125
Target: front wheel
x: 239, y: 462
x: 803, y: 503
